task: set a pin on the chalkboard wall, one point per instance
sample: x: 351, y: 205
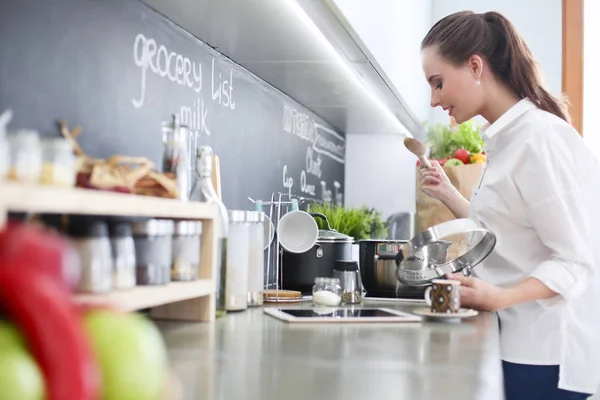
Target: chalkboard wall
x: 119, y: 69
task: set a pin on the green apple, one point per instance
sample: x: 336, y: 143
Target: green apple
x: 452, y: 162
x: 131, y: 354
x: 10, y: 336
x: 21, y: 378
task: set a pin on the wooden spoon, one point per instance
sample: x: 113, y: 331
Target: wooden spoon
x: 418, y: 149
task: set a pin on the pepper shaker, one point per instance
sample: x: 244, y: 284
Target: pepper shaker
x: 349, y: 276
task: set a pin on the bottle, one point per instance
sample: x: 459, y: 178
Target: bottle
x: 204, y: 191
x: 175, y: 156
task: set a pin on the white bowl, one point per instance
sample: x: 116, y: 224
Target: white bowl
x: 297, y: 231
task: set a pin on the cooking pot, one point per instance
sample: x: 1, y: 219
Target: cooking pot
x: 377, y: 262
x: 453, y: 246
x: 299, y: 270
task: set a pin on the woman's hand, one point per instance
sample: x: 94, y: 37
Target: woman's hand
x: 478, y: 294
x: 435, y: 182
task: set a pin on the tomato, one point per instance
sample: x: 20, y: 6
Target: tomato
x: 462, y: 155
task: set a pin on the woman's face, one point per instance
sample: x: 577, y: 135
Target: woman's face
x: 454, y: 88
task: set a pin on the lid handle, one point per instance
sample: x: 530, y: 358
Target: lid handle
x: 323, y: 217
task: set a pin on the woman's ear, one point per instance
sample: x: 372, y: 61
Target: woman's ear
x: 475, y: 65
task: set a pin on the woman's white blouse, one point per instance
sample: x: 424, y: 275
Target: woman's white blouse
x: 540, y: 195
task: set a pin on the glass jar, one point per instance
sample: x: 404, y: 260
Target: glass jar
x: 176, y: 155
x: 123, y: 251
x: 327, y: 292
x: 349, y: 276
x: 256, y: 258
x: 186, y: 251
x: 153, y: 251
x: 26, y: 157
x: 90, y: 239
x: 58, y: 163
x: 236, y: 279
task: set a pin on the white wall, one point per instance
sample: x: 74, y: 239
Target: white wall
x: 380, y: 173
x: 539, y: 21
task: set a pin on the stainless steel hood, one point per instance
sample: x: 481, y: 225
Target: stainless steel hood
x: 306, y: 49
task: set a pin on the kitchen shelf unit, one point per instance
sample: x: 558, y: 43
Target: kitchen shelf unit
x: 190, y: 301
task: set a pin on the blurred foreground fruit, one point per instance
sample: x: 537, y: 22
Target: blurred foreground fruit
x: 42, y: 308
x: 20, y: 376
x: 131, y: 355
x: 10, y: 336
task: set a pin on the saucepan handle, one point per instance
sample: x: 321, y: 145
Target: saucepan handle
x: 390, y: 257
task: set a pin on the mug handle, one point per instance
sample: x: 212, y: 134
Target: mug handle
x: 428, y: 296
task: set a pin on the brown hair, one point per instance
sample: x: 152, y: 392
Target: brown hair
x: 494, y: 38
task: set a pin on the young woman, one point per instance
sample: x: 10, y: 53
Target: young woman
x: 540, y: 195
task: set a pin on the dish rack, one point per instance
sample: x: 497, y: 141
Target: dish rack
x: 279, y: 204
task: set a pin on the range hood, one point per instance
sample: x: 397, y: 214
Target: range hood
x: 307, y: 50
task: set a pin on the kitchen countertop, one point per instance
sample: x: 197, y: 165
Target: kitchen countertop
x: 250, y: 355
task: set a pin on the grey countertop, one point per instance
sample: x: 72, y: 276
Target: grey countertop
x: 250, y: 355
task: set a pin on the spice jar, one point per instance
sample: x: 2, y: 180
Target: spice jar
x: 236, y: 283
x: 90, y: 239
x: 347, y: 273
x: 26, y: 156
x: 186, y: 251
x: 123, y: 251
x: 176, y: 155
x: 256, y: 258
x: 58, y: 165
x: 153, y: 251
x: 327, y: 292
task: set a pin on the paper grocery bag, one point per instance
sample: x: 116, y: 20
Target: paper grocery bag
x: 431, y: 211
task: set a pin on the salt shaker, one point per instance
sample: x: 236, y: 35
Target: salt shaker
x: 347, y: 273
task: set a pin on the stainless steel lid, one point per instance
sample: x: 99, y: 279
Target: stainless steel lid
x: 237, y: 216
x: 328, y: 236
x: 153, y: 227
x: 188, y: 228
x: 453, y: 246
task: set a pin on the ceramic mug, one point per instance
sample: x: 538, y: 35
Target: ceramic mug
x: 297, y: 230
x: 443, y: 296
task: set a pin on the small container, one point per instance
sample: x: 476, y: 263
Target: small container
x: 256, y: 258
x: 236, y: 279
x: 90, y: 239
x: 327, y: 292
x: 123, y: 252
x: 349, y: 276
x: 58, y: 163
x: 4, y: 158
x: 153, y: 251
x: 176, y: 155
x: 26, y: 157
x: 186, y: 251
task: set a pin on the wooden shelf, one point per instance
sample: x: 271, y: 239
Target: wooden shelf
x: 141, y: 297
x: 56, y: 200
x: 190, y: 301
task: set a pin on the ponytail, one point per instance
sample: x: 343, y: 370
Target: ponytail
x: 494, y: 38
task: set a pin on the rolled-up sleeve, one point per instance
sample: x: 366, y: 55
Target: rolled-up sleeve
x: 555, y: 196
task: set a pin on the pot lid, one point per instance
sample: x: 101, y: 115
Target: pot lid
x: 333, y: 235
x: 453, y: 246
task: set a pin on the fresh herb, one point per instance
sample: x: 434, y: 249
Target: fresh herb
x: 445, y: 139
x: 360, y: 223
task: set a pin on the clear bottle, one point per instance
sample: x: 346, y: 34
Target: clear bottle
x: 238, y: 244
x: 59, y: 163
x: 26, y: 156
x: 204, y: 191
x: 176, y: 155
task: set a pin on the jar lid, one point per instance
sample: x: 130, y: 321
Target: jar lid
x: 346, y: 265
x: 25, y: 137
x: 153, y: 227
x: 188, y: 228
x: 81, y: 227
x: 255, y: 216
x: 237, y: 216
x: 327, y: 280
x: 57, y: 144
x: 120, y: 230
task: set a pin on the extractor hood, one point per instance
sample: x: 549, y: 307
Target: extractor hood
x: 306, y: 49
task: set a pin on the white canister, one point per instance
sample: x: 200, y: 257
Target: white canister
x: 236, y: 281
x: 256, y: 258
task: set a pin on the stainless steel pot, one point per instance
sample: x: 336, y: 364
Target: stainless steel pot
x: 453, y: 246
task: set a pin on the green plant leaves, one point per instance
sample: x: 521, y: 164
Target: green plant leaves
x: 360, y: 223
